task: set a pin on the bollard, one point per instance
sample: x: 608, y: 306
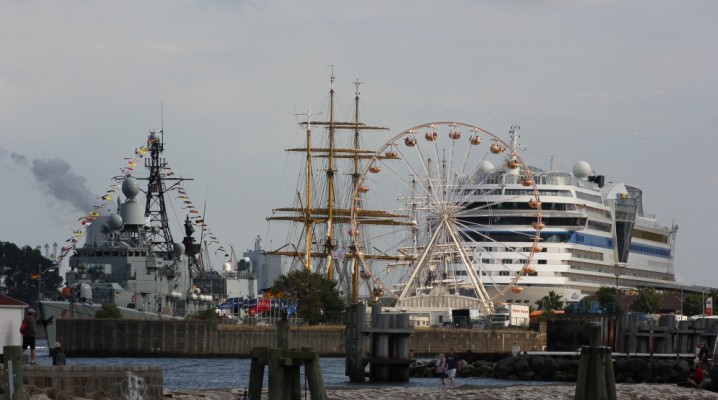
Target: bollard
x: 595, y: 379
x: 13, y: 372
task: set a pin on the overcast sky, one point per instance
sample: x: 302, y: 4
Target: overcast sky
x: 629, y: 86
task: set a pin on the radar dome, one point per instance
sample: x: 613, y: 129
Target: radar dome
x: 179, y: 249
x: 582, y: 170
x: 485, y: 166
x: 115, y: 222
x: 130, y: 187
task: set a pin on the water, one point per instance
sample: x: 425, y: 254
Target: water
x: 220, y: 373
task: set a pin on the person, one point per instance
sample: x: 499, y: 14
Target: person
x: 28, y: 330
x: 698, y: 375
x: 711, y: 375
x: 411, y: 358
x: 703, y: 352
x: 58, y: 356
x: 441, y: 369
x: 452, y: 366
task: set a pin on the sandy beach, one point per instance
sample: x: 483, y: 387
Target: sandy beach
x: 548, y: 392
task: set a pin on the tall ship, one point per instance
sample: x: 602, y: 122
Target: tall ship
x: 319, y: 237
x: 132, y: 259
x: 476, y: 225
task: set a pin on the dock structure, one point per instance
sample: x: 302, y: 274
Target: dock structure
x: 388, y: 355
x: 284, y: 370
x: 665, y: 335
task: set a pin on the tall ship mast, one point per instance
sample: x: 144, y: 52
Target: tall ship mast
x: 321, y: 239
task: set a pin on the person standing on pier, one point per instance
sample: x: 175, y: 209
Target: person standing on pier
x: 441, y: 369
x: 28, y: 330
x: 703, y: 352
x: 452, y: 362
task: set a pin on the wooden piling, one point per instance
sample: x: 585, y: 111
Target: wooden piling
x: 12, y: 360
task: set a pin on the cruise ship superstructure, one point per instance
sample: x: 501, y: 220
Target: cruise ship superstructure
x: 475, y: 225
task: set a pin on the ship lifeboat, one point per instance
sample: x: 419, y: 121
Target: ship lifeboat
x: 513, y: 164
x: 375, y: 169
x: 533, y: 203
x: 377, y: 292
x: 538, y: 225
x: 392, y: 154
x: 431, y: 136
x: 364, y: 274
x: 475, y: 140
x: 496, y: 149
x: 517, y: 289
x: 536, y: 249
x: 363, y: 189
x: 454, y: 134
x: 410, y: 141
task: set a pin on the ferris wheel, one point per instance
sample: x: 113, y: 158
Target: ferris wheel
x: 445, y: 214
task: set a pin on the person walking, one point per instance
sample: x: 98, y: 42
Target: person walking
x: 452, y: 366
x: 441, y: 369
x: 28, y: 330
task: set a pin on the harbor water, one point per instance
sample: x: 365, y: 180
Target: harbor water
x: 221, y: 373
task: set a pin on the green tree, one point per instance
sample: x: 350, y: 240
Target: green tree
x: 693, y: 304
x: 108, y: 311
x: 551, y: 302
x: 19, y: 267
x: 317, y: 298
x: 606, y: 295
x: 648, y: 301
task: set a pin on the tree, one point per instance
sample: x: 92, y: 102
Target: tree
x: 692, y: 304
x: 648, y: 301
x: 108, y: 311
x: 606, y: 295
x: 317, y: 298
x: 18, y: 273
x: 551, y: 302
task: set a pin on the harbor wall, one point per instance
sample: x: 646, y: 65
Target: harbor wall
x: 187, y: 338
x: 93, y: 382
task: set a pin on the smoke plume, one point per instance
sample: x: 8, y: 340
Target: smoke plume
x: 56, y: 179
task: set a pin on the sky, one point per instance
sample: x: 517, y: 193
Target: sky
x: 629, y: 87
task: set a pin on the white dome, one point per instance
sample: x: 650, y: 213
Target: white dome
x: 582, y: 170
x: 485, y: 166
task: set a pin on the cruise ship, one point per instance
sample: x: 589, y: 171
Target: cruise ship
x: 475, y: 225
x: 593, y: 234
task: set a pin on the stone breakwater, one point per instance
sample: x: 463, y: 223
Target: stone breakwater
x: 549, y: 392
x: 560, y: 369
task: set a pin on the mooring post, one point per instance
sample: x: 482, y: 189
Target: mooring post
x: 259, y: 358
x: 314, y: 377
x: 595, y: 379
x: 13, y: 372
x: 283, y: 334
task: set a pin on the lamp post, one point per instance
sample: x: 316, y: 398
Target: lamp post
x: 39, y: 282
x: 617, y: 299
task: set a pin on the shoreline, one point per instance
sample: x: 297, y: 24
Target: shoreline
x: 549, y: 391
